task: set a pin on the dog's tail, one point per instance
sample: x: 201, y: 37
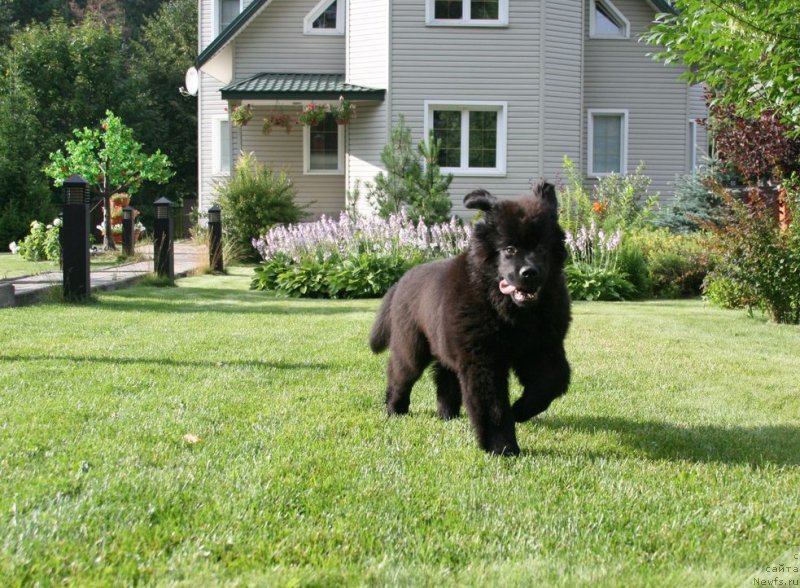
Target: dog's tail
x: 379, y: 336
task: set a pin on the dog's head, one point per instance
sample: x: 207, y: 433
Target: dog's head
x: 519, y: 245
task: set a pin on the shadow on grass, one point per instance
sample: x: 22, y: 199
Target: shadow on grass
x: 294, y: 365
x: 220, y: 300
x: 755, y: 446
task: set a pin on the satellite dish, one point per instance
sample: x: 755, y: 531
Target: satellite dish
x: 192, y: 81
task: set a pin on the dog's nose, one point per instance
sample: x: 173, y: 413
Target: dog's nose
x: 528, y: 272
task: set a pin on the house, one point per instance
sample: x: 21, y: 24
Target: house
x: 509, y: 86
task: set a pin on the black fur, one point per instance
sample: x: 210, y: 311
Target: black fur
x: 453, y: 312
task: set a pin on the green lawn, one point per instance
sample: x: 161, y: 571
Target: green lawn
x: 673, y: 460
x: 15, y: 266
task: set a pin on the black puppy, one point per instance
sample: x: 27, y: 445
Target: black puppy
x: 502, y: 305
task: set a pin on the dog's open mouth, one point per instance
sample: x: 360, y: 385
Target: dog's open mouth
x: 519, y: 296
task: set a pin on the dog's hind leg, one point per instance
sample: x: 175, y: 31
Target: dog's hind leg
x: 543, y: 380
x: 406, y: 365
x: 448, y: 392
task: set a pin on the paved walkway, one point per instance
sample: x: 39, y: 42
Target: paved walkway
x: 27, y: 290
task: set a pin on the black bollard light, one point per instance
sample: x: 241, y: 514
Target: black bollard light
x: 215, y: 238
x: 74, y: 237
x: 127, y: 231
x: 163, y: 248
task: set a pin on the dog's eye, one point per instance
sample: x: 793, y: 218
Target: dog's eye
x: 510, y: 250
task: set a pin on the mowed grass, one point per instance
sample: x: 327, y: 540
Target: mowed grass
x: 673, y: 460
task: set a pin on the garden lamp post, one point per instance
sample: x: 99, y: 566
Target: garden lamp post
x: 127, y: 231
x: 74, y: 237
x: 163, y: 247
x: 215, y: 239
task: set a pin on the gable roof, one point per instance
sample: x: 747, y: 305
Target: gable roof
x: 298, y: 86
x: 226, y: 36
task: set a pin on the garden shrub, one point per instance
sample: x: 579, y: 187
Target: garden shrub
x: 724, y: 292
x: 591, y: 271
x: 759, y: 257
x: 631, y: 261
x: 624, y: 201
x: 677, y: 263
x: 42, y: 242
x: 254, y: 199
x: 695, y: 204
x: 350, y: 258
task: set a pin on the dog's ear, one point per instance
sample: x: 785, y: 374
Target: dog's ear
x: 547, y: 192
x: 481, y: 200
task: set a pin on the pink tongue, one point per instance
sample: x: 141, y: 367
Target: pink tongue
x: 506, y: 288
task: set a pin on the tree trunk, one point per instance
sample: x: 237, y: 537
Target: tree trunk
x: 108, y: 239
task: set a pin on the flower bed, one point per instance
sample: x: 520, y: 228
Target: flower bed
x: 348, y: 258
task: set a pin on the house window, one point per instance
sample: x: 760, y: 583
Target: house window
x: 472, y: 136
x: 467, y: 12
x: 692, y: 145
x: 227, y: 10
x: 326, y: 18
x: 221, y: 145
x: 323, y: 147
x: 606, y: 21
x: 608, y: 142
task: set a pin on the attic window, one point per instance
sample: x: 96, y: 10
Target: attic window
x: 227, y: 11
x: 607, y: 22
x: 467, y: 12
x: 327, y: 18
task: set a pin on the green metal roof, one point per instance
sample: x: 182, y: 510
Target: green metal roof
x: 230, y: 31
x: 298, y: 86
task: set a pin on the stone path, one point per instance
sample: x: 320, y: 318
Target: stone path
x: 27, y: 290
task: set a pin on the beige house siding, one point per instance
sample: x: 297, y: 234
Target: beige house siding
x: 368, y: 57
x: 562, y: 88
x: 457, y: 64
x: 272, y: 42
x: 618, y: 74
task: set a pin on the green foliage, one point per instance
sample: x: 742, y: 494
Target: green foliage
x: 747, y: 51
x: 759, y: 257
x: 694, y: 205
x: 162, y: 117
x: 623, y: 201
x: 590, y: 282
x: 366, y: 275
x: 616, y: 202
x: 725, y: 292
x: 53, y: 78
x: 574, y: 200
x: 632, y: 263
x: 42, y: 242
x: 253, y: 199
x: 677, y: 263
x: 111, y: 160
x: 413, y: 181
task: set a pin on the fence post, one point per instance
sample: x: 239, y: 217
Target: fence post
x: 215, y: 260
x: 74, y: 237
x: 163, y: 246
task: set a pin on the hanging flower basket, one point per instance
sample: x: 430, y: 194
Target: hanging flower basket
x: 278, y: 119
x: 343, y: 111
x: 312, y: 115
x: 242, y: 115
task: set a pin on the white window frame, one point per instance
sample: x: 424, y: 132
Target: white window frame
x: 216, y: 145
x: 465, y: 107
x: 339, y: 171
x: 466, y: 20
x: 693, y: 163
x: 218, y: 15
x: 623, y: 151
x: 316, y: 12
x: 616, y: 13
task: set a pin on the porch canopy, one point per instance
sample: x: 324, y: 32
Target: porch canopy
x: 299, y: 87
